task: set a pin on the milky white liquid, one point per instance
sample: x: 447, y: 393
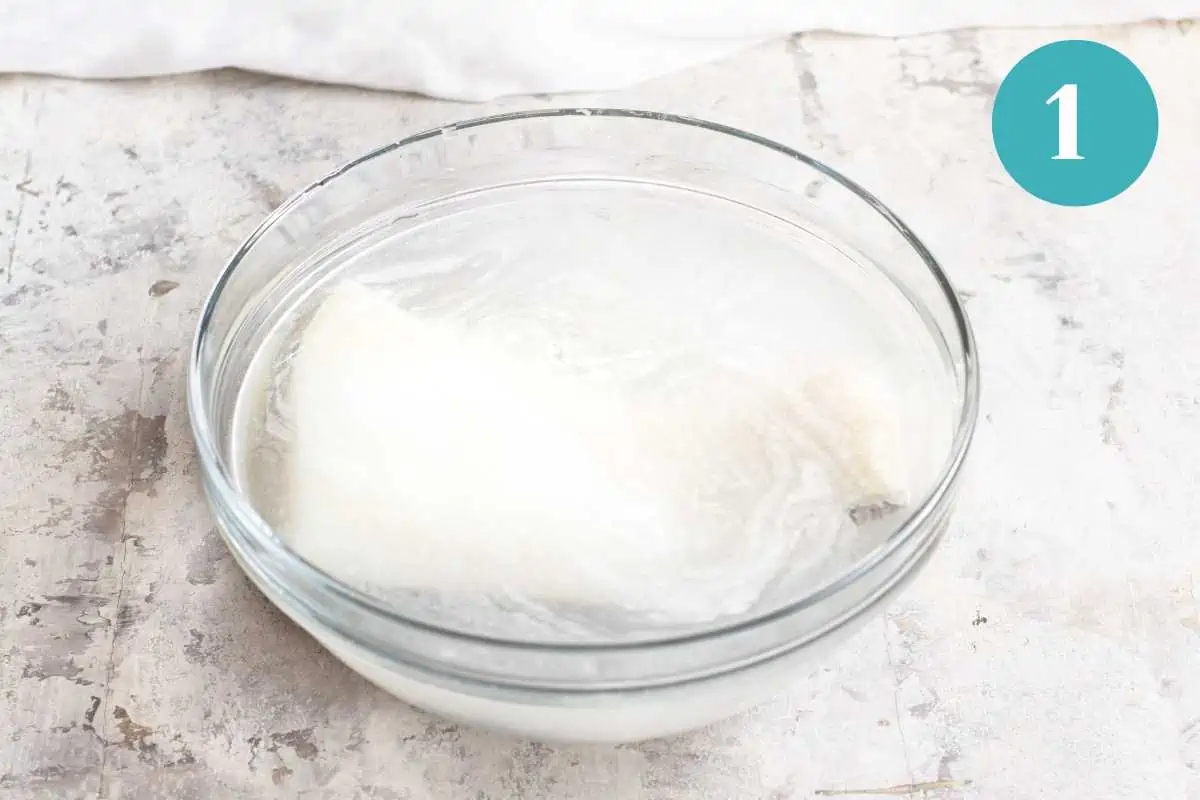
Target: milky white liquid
x: 592, y: 410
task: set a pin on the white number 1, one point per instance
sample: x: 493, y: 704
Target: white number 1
x: 1067, y: 98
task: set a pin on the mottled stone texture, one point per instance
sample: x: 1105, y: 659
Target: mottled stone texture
x: 1051, y: 650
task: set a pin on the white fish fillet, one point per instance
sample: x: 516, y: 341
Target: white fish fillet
x: 426, y: 458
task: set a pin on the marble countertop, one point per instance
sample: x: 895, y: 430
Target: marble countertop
x: 1050, y: 650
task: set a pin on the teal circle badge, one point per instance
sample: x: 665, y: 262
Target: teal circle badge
x: 1075, y: 123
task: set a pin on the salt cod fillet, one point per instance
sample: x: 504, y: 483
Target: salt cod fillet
x: 426, y: 458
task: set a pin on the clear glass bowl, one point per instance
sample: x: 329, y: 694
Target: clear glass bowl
x: 621, y: 689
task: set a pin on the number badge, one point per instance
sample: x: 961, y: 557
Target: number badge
x: 1075, y: 123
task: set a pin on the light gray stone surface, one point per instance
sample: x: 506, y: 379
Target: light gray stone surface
x: 1051, y: 650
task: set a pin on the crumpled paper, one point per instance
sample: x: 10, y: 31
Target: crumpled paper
x: 478, y: 49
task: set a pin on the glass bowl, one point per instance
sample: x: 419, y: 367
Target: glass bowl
x: 598, y: 689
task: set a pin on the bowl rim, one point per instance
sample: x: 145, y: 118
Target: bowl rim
x: 218, y: 477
